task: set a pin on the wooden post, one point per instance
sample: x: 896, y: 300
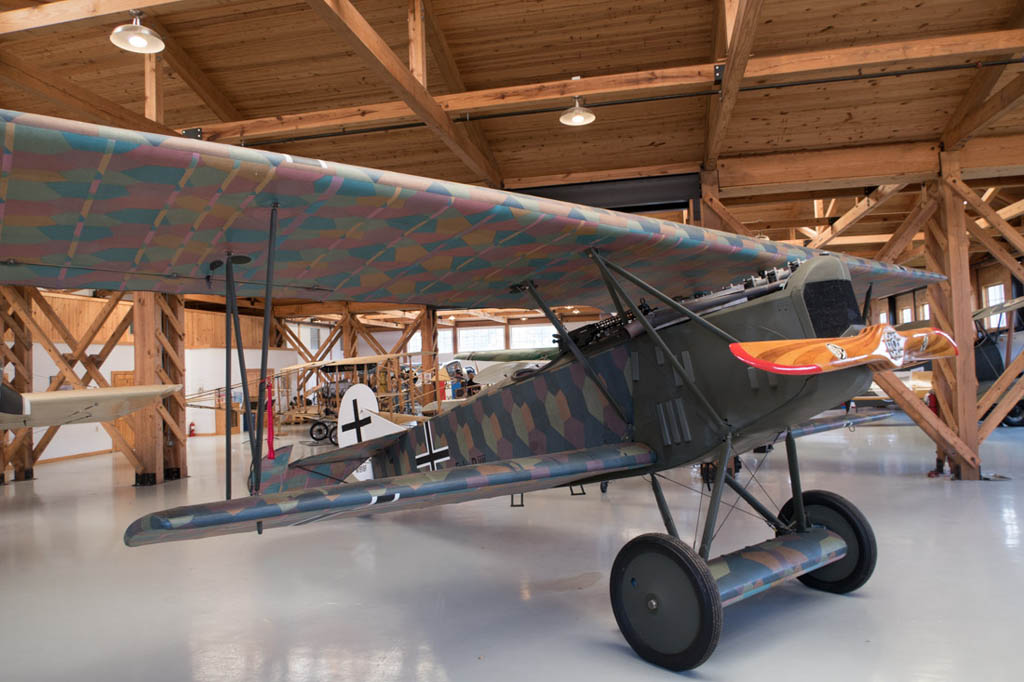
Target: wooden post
x: 956, y: 304
x: 428, y: 335
x: 149, y: 441
x: 173, y: 366
x: 19, y: 452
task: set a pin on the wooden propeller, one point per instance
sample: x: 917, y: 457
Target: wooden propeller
x: 878, y: 344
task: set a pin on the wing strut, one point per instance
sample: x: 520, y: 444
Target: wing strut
x: 231, y: 315
x: 563, y: 334
x: 616, y: 289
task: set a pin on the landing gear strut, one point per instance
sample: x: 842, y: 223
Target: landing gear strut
x: 664, y: 595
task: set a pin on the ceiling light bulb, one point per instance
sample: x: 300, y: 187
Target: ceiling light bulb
x: 577, y: 115
x: 135, y: 37
x: 575, y: 311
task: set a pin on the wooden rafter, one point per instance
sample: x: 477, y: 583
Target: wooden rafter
x: 192, y: 75
x: 452, y: 77
x: 860, y: 210
x: 417, y: 42
x: 740, y: 17
x: 345, y: 20
x: 65, y: 11
x: 693, y: 78
x: 984, y: 114
x: 985, y: 80
x: 62, y: 91
x: 908, y: 229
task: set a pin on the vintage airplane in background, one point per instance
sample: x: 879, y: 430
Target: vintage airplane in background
x: 673, y: 378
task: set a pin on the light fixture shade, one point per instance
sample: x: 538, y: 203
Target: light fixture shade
x: 577, y: 115
x: 135, y: 37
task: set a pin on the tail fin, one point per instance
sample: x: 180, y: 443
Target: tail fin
x: 362, y: 433
x: 879, y: 345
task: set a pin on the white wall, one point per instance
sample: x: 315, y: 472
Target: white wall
x: 204, y: 371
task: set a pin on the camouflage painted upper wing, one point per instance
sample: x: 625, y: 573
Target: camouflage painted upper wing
x: 93, y: 207
x: 457, y: 484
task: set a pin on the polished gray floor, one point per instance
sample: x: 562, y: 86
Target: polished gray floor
x: 481, y: 591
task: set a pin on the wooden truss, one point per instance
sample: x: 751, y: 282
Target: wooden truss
x: 154, y: 453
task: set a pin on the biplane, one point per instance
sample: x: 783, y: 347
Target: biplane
x: 676, y: 376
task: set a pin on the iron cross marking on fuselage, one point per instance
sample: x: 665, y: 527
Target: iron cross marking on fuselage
x: 356, y: 424
x: 433, y: 456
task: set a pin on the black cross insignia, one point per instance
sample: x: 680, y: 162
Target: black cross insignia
x: 356, y: 424
x: 432, y: 457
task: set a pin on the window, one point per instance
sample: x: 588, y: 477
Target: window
x: 532, y: 336
x: 883, y: 318
x: 906, y: 315
x: 994, y: 296
x: 926, y: 312
x: 481, y: 338
x: 445, y: 339
x: 444, y: 342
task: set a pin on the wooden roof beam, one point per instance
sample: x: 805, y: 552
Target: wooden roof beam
x: 62, y: 91
x: 693, y: 78
x: 193, y: 76
x: 986, y: 79
x: 860, y: 210
x: 985, y: 114
x: 451, y: 76
x: 740, y: 17
x: 345, y: 20
x: 907, y: 231
x: 66, y: 11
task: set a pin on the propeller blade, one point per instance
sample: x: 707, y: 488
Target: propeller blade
x: 878, y: 344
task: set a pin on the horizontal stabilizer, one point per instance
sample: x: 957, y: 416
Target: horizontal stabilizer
x: 878, y: 345
x: 409, y: 491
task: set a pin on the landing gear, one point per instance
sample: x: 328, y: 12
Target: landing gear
x: 334, y: 434
x: 839, y: 515
x: 318, y: 431
x: 604, y: 486
x: 666, y: 602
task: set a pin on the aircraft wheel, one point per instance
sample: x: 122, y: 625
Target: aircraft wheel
x: 666, y: 602
x: 318, y: 431
x: 334, y: 434
x: 1015, y: 417
x: 840, y: 516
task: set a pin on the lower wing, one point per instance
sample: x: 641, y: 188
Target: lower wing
x: 878, y: 344
x: 78, y: 406
x: 409, y: 491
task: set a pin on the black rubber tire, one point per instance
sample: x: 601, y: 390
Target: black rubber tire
x: 1015, y: 417
x: 334, y: 434
x: 840, y: 516
x: 682, y: 628
x: 604, y: 486
x: 318, y: 431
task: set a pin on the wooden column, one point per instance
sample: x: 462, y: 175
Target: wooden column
x: 18, y: 452
x: 428, y: 335
x: 949, y: 249
x: 149, y: 442
x: 173, y: 366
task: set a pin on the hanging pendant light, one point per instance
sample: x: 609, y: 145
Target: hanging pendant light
x: 577, y: 115
x: 135, y: 37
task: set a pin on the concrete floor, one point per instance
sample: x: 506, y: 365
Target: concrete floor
x: 482, y: 591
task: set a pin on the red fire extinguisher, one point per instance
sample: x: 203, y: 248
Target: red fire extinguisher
x: 191, y: 428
